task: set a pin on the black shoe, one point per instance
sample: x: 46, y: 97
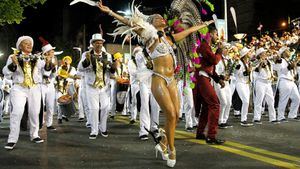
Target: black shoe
x: 144, y: 137
x: 81, y: 120
x: 228, y: 125
x: 112, y: 117
x: 200, y: 137
x: 246, y: 124
x: 283, y: 121
x: 237, y: 115
x: 156, y: 133
x: 189, y: 129
x: 65, y: 118
x: 195, y: 127
x: 296, y: 118
x: 10, y: 146
x: 59, y: 121
x: 38, y: 140
x: 132, y: 122
x: 104, y: 134
x: 257, y: 122
x: 51, y: 128
x: 214, y: 141
x: 92, y: 136
x: 275, y: 122
x: 88, y: 125
x: 222, y: 126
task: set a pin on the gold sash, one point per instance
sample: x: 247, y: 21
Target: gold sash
x: 99, y: 81
x: 28, y: 80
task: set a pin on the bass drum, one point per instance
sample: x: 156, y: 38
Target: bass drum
x: 66, y: 105
x: 121, y: 96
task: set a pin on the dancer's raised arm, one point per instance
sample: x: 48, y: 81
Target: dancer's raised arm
x: 107, y: 10
x: 181, y: 35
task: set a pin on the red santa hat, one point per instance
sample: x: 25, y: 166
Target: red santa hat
x: 46, y: 46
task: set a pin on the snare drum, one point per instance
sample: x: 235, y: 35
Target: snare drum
x: 121, y: 96
x: 66, y: 105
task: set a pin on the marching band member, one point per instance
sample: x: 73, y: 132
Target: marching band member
x: 263, y: 87
x: 148, y: 120
x: 286, y: 85
x: 25, y: 70
x: 64, y: 79
x: 47, y: 86
x: 134, y: 88
x: 97, y: 65
x: 242, y: 73
x: 224, y: 93
x: 210, y: 103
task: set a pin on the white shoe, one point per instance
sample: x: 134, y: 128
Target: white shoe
x: 158, y: 148
x: 171, y: 162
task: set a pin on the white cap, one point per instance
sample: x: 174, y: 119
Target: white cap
x: 47, y: 48
x: 96, y: 36
x: 244, y: 51
x: 282, y: 49
x: 260, y: 51
x: 22, y: 38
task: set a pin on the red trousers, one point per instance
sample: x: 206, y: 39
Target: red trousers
x: 205, y: 95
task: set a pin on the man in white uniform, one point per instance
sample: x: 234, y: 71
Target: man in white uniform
x: 147, y: 120
x: 25, y: 71
x: 263, y: 87
x: 286, y: 85
x: 97, y: 66
x: 243, y: 84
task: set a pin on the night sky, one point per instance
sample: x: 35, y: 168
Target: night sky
x: 63, y: 25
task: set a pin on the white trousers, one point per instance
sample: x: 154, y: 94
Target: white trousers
x: 83, y: 104
x: 134, y: 89
x: 225, y: 96
x: 187, y: 105
x: 19, y: 96
x: 288, y: 90
x: 48, y: 96
x: 148, y: 120
x: 264, y: 93
x: 113, y: 96
x: 97, y: 103
x: 243, y: 90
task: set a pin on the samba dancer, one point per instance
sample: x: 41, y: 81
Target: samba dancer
x: 164, y: 87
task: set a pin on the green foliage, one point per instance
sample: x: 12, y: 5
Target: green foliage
x: 11, y: 11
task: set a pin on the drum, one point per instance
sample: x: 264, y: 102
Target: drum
x: 66, y: 105
x: 121, y: 96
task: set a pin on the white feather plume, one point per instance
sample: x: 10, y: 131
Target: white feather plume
x: 232, y: 10
x: 138, y: 21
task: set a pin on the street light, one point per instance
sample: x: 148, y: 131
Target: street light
x: 1, y: 54
x: 283, y: 24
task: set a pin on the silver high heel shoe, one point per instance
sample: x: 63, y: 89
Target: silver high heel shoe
x: 171, y: 162
x: 164, y: 155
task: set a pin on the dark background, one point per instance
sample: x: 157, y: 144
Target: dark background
x: 66, y: 26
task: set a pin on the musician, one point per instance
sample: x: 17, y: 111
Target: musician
x: 242, y: 76
x: 224, y: 93
x: 98, y: 66
x: 25, y: 70
x: 134, y: 88
x: 263, y: 87
x: 209, y: 99
x: 148, y: 120
x: 64, y: 79
x: 47, y: 85
x: 286, y: 85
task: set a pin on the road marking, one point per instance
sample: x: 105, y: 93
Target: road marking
x: 235, y: 148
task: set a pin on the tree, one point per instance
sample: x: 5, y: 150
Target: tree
x: 11, y: 11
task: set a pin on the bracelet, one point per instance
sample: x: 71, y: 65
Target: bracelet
x: 110, y: 12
